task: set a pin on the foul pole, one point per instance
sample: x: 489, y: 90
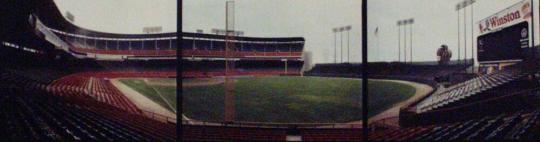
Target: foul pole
x: 229, y: 63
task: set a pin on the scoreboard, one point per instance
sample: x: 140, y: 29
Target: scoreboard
x: 510, y: 43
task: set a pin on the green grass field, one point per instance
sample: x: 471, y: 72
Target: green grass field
x: 292, y: 99
x: 164, y: 95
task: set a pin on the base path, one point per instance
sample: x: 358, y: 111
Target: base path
x: 142, y: 101
x: 421, y: 90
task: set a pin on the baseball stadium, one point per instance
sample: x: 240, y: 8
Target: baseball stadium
x: 63, y: 82
x: 276, y: 86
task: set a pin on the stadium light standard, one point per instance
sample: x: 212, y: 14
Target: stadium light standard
x: 458, y: 8
x: 341, y: 29
x: 405, y: 22
x: 348, y: 29
x: 411, y: 22
x: 399, y: 23
x: 472, y: 32
x: 335, y: 30
x: 463, y: 5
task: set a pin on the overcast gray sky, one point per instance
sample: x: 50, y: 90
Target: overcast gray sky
x: 311, y: 19
x: 435, y: 23
x: 122, y: 16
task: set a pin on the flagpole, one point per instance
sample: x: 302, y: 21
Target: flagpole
x: 377, y: 36
x: 378, y: 44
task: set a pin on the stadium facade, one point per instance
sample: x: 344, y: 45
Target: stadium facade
x: 204, y: 55
x: 56, y: 78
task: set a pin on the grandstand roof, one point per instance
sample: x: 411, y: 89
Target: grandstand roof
x: 49, y: 14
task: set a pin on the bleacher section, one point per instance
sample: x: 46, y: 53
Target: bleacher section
x: 97, y: 86
x: 227, y: 133
x: 31, y: 114
x: 331, y: 134
x: 472, y: 87
x: 518, y: 126
x: 424, y: 73
x: 219, y: 133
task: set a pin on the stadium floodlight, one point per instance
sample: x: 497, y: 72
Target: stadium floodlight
x: 335, y: 30
x: 217, y: 31
x: 341, y: 30
x: 411, y: 21
x: 462, y: 5
x: 348, y: 27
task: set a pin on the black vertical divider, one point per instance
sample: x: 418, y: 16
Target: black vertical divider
x: 364, y: 72
x: 179, y: 71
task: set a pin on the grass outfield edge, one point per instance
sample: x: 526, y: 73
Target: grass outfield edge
x: 217, y: 104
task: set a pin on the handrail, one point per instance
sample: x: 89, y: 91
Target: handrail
x: 209, y: 53
x: 272, y: 125
x: 158, y: 116
x: 383, y: 122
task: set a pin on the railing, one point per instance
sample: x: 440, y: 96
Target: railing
x: 389, y: 122
x: 158, y: 117
x: 237, y: 54
x: 199, y: 74
x: 169, y: 52
x: 274, y: 125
